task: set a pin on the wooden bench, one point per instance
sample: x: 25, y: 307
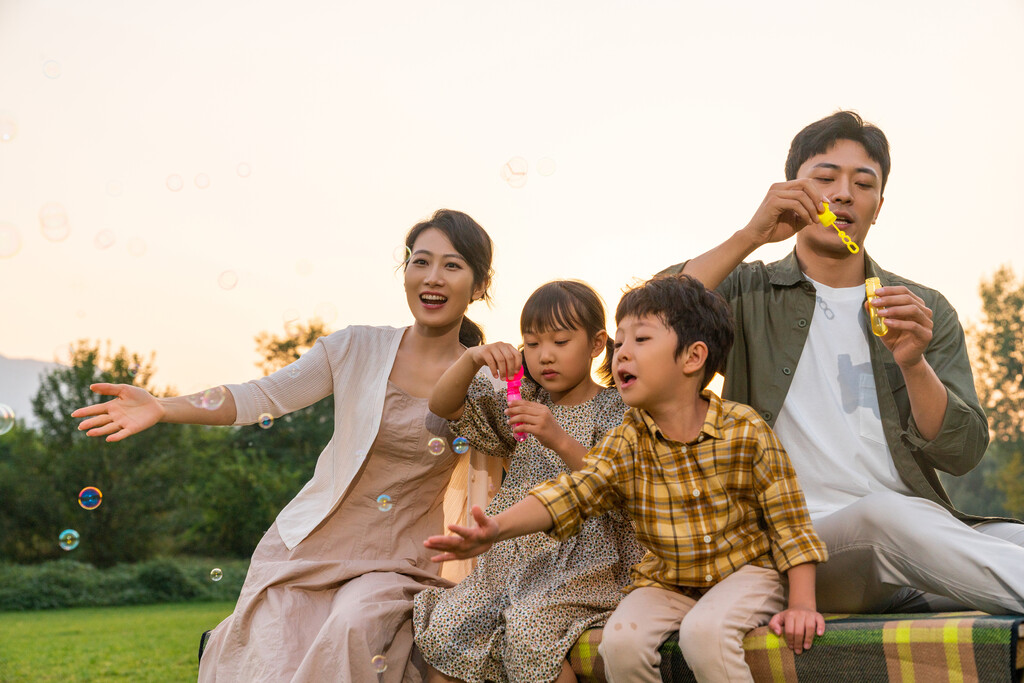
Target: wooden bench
x: 862, y: 648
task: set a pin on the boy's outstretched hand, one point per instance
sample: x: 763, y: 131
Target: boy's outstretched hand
x: 800, y: 626
x: 468, y: 541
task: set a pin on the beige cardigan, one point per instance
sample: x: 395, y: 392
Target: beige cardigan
x: 354, y: 365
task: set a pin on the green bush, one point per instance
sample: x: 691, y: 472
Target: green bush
x: 66, y: 583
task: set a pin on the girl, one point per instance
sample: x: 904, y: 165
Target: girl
x: 329, y: 591
x: 529, y: 599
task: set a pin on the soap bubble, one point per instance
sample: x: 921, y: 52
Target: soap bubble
x: 175, y: 183
x: 211, y: 399
x: 136, y: 246
x: 460, y: 445
x: 380, y: 665
x: 243, y: 170
x: 6, y: 419
x: 327, y: 312
x: 90, y: 497
x: 383, y: 502
x: 401, y: 254
x: 546, y: 166
x: 10, y: 240
x: 293, y: 371
x: 202, y: 181
x: 266, y: 421
x: 216, y: 574
x: 303, y: 267
x: 228, y: 279
x: 104, y: 239
x: 8, y: 127
x: 51, y: 68
x: 133, y: 369
x: 436, y: 446
x: 53, y: 220
x: 514, y: 172
x: 68, y: 539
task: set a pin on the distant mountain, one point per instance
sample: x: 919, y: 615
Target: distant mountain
x: 19, y: 382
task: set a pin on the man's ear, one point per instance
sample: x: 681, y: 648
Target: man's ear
x: 878, y: 209
x: 694, y: 357
x: 599, y: 344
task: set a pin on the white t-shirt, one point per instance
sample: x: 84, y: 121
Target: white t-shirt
x: 830, y: 423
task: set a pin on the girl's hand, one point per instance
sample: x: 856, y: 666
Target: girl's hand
x: 133, y: 411
x: 800, y: 626
x: 502, y: 358
x: 469, y: 541
x: 536, y: 419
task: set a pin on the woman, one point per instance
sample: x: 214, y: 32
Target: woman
x: 330, y: 587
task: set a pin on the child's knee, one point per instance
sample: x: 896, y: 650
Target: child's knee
x: 625, y: 648
x: 705, y: 637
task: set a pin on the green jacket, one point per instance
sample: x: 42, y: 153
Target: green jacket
x: 773, y: 305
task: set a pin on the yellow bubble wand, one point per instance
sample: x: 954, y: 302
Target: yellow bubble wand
x: 828, y: 219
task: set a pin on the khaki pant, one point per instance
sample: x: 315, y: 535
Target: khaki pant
x: 711, y: 629
x: 894, y: 553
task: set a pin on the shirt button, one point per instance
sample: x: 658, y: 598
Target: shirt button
x: 707, y: 539
x: 709, y: 578
x: 801, y: 322
x: 700, y: 438
x: 696, y: 493
x: 682, y: 450
x: 786, y: 371
x: 767, y: 414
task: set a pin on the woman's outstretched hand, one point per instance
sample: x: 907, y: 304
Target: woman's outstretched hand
x: 467, y: 541
x: 133, y: 410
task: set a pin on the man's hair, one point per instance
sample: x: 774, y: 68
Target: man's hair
x: 820, y: 136
x: 688, y: 308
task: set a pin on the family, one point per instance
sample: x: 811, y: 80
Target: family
x: 639, y: 500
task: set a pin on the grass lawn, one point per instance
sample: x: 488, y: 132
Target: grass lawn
x: 139, y: 643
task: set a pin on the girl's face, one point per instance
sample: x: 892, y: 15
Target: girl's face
x: 560, y: 360
x: 438, y: 282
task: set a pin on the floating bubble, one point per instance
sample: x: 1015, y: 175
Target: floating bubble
x: 380, y: 665
x: 104, y: 239
x: 202, y: 181
x: 546, y: 166
x: 293, y: 371
x: 133, y: 369
x: 8, y: 127
x: 51, y: 68
x: 216, y: 574
x: 6, y: 419
x: 136, y: 246
x: 53, y: 221
x: 266, y: 421
x: 514, y: 172
x: 290, y: 315
x: 90, y: 497
x: 211, y: 399
x: 243, y: 170
x: 436, y: 446
x: 68, y: 539
x: 460, y: 445
x: 175, y: 183
x: 383, y: 502
x: 228, y: 279
x: 303, y: 267
x: 327, y: 312
x: 10, y: 240
x: 401, y: 254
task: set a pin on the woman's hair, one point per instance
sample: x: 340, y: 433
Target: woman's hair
x: 568, y: 305
x: 473, y: 244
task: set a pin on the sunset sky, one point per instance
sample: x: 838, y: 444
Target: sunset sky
x: 178, y: 177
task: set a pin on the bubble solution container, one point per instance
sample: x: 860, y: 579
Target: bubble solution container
x: 878, y: 327
x: 512, y: 392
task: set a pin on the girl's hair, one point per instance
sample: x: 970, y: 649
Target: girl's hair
x: 473, y: 244
x: 568, y: 305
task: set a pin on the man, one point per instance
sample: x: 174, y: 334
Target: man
x: 867, y: 421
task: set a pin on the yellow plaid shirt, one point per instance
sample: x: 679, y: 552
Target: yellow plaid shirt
x: 703, y: 509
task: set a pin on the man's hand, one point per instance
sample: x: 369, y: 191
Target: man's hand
x: 785, y: 210
x: 909, y: 322
x: 468, y: 541
x: 800, y: 626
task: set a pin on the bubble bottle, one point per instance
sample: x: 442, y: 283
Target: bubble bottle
x: 828, y: 219
x: 512, y: 391
x: 878, y: 326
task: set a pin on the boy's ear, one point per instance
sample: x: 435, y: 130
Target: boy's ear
x: 694, y: 357
x: 599, y: 344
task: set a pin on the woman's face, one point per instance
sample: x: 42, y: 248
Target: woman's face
x: 438, y: 282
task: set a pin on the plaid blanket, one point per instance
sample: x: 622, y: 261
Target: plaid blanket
x: 910, y: 648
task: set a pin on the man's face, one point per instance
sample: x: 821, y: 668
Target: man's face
x: 851, y: 182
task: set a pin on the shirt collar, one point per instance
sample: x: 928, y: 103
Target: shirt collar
x: 786, y: 272
x: 712, y: 421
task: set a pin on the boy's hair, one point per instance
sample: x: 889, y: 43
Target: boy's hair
x: 688, y: 308
x: 820, y: 136
x: 568, y: 305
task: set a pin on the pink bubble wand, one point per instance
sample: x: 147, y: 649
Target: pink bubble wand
x: 512, y: 392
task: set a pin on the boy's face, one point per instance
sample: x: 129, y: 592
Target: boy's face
x: 645, y: 367
x: 851, y: 181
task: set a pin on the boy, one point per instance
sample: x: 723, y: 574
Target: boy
x: 710, y: 488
